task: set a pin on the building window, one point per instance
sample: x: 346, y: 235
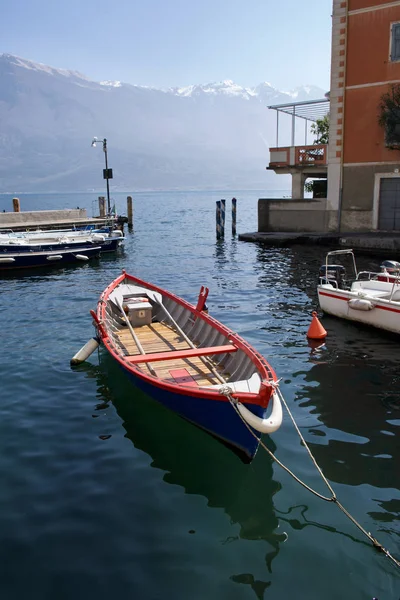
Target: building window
x: 395, y: 45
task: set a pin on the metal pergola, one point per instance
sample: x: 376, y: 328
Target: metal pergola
x: 309, y: 110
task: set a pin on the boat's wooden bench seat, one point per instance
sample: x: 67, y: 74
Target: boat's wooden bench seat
x: 176, y: 354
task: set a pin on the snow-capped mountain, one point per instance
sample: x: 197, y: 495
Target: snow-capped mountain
x: 263, y: 92
x: 227, y: 87
x: 39, y: 67
x: 209, y: 135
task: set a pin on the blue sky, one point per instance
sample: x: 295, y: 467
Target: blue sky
x: 165, y: 43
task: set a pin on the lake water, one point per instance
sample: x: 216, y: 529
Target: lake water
x: 105, y: 494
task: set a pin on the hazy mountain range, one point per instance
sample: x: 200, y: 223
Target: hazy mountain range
x: 212, y: 136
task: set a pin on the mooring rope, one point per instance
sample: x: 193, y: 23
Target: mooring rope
x: 227, y: 391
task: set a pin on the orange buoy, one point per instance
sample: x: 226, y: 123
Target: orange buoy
x: 316, y: 331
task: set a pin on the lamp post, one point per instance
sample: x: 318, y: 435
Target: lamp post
x: 107, y: 173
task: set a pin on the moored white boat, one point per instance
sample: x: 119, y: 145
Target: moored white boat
x: 38, y: 241
x: 372, y: 298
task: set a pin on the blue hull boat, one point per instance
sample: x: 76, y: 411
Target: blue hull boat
x: 188, y: 361
x: 26, y: 260
x: 13, y: 243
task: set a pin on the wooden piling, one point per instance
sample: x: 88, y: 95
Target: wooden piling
x: 234, y: 216
x: 16, y: 206
x: 223, y: 213
x: 102, y: 206
x: 218, y: 219
x: 129, y: 211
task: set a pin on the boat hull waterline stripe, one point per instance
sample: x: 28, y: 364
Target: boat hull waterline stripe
x: 388, y: 308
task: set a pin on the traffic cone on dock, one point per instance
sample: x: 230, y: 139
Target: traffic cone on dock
x: 316, y: 331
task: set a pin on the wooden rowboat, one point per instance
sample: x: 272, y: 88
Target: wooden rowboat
x: 188, y: 361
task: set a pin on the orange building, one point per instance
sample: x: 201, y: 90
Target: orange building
x: 363, y: 173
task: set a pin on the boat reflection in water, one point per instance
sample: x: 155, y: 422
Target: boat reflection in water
x: 199, y: 463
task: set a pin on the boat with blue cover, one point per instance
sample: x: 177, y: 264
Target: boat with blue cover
x: 44, y: 241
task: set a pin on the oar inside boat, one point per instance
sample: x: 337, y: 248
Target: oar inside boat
x: 135, y: 337
x: 178, y: 328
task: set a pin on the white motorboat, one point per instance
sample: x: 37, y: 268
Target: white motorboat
x: 35, y: 241
x: 366, y: 297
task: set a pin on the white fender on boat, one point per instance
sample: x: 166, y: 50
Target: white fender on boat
x: 85, y: 351
x: 54, y: 257
x: 360, y: 304
x: 7, y: 259
x: 81, y: 257
x: 268, y: 425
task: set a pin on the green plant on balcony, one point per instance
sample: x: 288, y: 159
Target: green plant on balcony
x: 389, y: 116
x: 320, y: 128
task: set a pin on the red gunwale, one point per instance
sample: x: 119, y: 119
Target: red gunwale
x: 267, y: 373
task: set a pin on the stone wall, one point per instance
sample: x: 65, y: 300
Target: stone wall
x: 295, y: 216
x: 42, y: 216
x: 360, y: 201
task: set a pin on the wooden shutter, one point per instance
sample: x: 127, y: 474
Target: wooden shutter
x: 395, y: 53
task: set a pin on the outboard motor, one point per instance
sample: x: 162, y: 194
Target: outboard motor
x: 391, y: 266
x: 334, y: 274
x: 390, y: 271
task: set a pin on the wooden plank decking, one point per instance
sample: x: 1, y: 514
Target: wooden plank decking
x: 159, y: 337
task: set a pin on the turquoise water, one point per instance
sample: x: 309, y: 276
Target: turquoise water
x: 105, y: 494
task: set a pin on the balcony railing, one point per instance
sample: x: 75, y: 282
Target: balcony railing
x: 299, y: 156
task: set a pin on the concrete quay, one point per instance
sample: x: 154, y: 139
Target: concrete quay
x: 48, y: 219
x: 385, y: 244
